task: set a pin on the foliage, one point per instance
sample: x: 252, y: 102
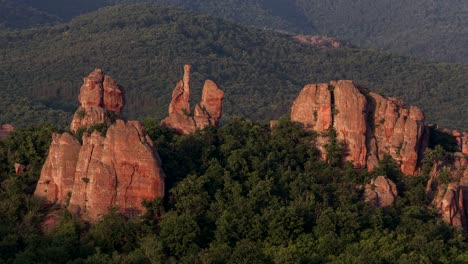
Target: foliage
x: 145, y: 46
x: 243, y: 193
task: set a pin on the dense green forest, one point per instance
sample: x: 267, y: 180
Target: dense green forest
x: 144, y: 47
x: 242, y: 193
x: 433, y: 30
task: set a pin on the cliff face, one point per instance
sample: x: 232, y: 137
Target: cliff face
x: 121, y: 168
x: 5, y: 130
x: 369, y: 125
x: 206, y: 113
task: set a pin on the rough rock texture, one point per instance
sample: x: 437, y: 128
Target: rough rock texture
x: 101, y: 98
x: 111, y: 173
x: 462, y: 139
x: 119, y: 169
x: 381, y: 192
x: 19, y: 168
x: 350, y: 121
x: 451, y: 199
x: 369, y: 125
x: 57, y: 175
x: 5, y: 130
x: 206, y: 113
x: 398, y: 131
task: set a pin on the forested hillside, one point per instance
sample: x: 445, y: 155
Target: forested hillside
x: 432, y: 30
x: 145, y: 46
x: 243, y: 193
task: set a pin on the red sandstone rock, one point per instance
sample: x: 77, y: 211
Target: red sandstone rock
x: 450, y: 204
x: 322, y: 41
x: 395, y: 130
x: 113, y: 95
x: 19, y: 168
x: 92, y: 90
x: 121, y: 169
x: 462, y: 140
x: 5, y: 130
x: 206, y: 113
x: 398, y: 131
x: 99, y: 96
x: 381, y: 192
x: 313, y: 108
x: 212, y: 100
x: 180, y: 102
x: 57, y: 175
x: 350, y: 121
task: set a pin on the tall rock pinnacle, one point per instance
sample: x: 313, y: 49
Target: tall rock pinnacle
x: 207, y: 112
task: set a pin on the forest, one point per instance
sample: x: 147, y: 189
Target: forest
x: 241, y: 193
x: 431, y: 30
x: 144, y: 46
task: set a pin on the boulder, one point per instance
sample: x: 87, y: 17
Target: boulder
x: 19, y: 168
x: 381, y: 192
x: 5, y: 130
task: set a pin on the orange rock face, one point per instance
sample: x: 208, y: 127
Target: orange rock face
x: 398, y: 132
x: 19, y: 168
x: 381, y: 192
x: 101, y: 99
x: 111, y: 173
x: 120, y: 169
x: 57, y: 175
x: 369, y: 125
x: 462, y: 139
x: 206, y: 113
x: 350, y: 121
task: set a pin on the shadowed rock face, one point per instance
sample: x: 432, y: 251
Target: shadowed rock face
x: 206, y: 113
x: 369, y: 125
x: 381, y: 192
x: 119, y: 169
x: 101, y: 100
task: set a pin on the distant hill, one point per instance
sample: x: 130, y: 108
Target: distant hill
x: 431, y: 29
x: 144, y: 47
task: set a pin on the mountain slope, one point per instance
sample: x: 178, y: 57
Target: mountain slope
x: 145, y: 46
x: 430, y: 29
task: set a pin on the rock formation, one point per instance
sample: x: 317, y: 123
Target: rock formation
x: 118, y: 169
x: 369, y: 125
x: 5, y: 130
x: 323, y: 42
x: 101, y: 101
x: 206, y: 113
x: 462, y: 140
x: 381, y: 192
x: 19, y: 168
x: 448, y: 189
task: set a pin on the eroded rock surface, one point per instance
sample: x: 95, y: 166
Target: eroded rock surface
x: 381, y: 192
x: 370, y: 126
x: 101, y: 99
x: 207, y: 112
x: 5, y: 130
x: 119, y: 169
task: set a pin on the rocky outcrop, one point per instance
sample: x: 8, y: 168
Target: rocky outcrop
x: 369, y: 125
x: 5, y: 130
x: 57, y: 175
x: 462, y: 140
x: 207, y: 112
x: 381, y: 192
x: 119, y: 169
x: 323, y: 42
x: 101, y: 99
x: 448, y: 189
